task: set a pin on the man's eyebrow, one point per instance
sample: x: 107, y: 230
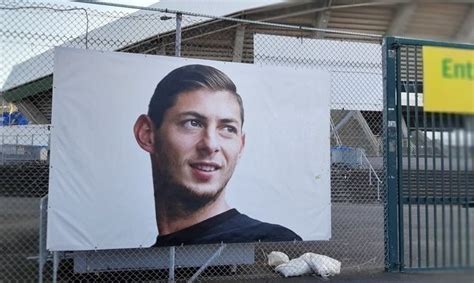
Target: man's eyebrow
x: 193, y: 114
x: 229, y: 121
x: 202, y: 117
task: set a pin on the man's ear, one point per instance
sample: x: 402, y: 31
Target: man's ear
x: 243, y: 145
x: 144, y: 131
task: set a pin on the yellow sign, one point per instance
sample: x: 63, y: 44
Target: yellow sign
x: 448, y: 80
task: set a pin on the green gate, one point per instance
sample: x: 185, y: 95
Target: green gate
x: 429, y: 159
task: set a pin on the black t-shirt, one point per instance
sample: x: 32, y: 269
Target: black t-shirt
x: 228, y: 227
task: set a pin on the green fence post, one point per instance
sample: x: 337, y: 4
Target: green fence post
x: 389, y: 51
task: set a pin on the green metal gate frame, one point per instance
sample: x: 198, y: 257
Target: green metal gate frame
x: 396, y: 198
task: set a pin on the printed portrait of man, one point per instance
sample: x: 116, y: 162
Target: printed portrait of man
x: 194, y: 134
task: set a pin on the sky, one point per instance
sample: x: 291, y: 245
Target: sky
x: 25, y: 32
x: 143, y: 3
x: 22, y: 38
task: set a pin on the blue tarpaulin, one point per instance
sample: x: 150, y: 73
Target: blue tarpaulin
x: 14, y: 118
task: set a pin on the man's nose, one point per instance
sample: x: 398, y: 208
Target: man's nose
x: 209, y: 142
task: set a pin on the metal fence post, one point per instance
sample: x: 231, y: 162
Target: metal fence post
x: 172, y: 264
x: 43, y: 253
x: 56, y: 260
x: 179, y: 18
x: 389, y: 51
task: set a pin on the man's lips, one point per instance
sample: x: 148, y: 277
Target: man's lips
x: 204, y: 171
x: 205, y: 166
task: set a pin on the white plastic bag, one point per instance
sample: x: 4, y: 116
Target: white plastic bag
x: 294, y: 267
x: 277, y: 258
x: 321, y: 264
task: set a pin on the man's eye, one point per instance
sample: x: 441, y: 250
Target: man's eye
x: 231, y: 129
x: 190, y: 124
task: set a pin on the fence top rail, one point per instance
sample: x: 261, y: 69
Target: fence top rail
x: 424, y: 42
x: 224, y: 18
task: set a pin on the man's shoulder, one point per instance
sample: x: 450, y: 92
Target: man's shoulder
x: 257, y: 230
x: 229, y: 227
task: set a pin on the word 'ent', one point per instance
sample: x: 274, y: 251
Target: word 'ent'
x: 457, y: 70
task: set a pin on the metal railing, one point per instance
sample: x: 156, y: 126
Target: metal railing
x: 430, y: 196
x: 372, y: 171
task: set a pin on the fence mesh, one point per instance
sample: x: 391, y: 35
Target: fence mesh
x: 30, y: 31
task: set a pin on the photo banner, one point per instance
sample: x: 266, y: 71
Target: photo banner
x: 101, y: 191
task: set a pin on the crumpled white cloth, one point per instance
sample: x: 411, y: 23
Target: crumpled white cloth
x: 294, y: 267
x: 309, y: 262
x: 277, y: 258
x: 322, y: 265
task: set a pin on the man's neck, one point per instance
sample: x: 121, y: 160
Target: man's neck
x: 168, y: 222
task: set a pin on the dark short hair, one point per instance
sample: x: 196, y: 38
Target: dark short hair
x: 185, y: 79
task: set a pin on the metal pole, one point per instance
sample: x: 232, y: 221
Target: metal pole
x: 390, y: 152
x: 378, y: 190
x: 370, y: 177
x: 179, y: 18
x: 55, y: 266
x: 171, y: 265
x: 42, y: 239
x: 2, y: 132
x: 3, y: 110
x: 409, y: 186
x: 399, y: 153
x: 207, y: 263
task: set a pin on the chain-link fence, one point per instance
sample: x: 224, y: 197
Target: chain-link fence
x: 30, y: 31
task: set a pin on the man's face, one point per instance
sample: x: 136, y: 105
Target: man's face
x: 199, y: 142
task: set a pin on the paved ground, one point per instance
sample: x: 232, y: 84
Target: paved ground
x: 357, y: 241
x: 381, y: 276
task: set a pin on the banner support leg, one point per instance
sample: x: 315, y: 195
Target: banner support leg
x: 56, y: 261
x: 171, y: 265
x: 207, y: 263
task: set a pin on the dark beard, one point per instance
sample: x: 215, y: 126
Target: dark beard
x: 181, y: 201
